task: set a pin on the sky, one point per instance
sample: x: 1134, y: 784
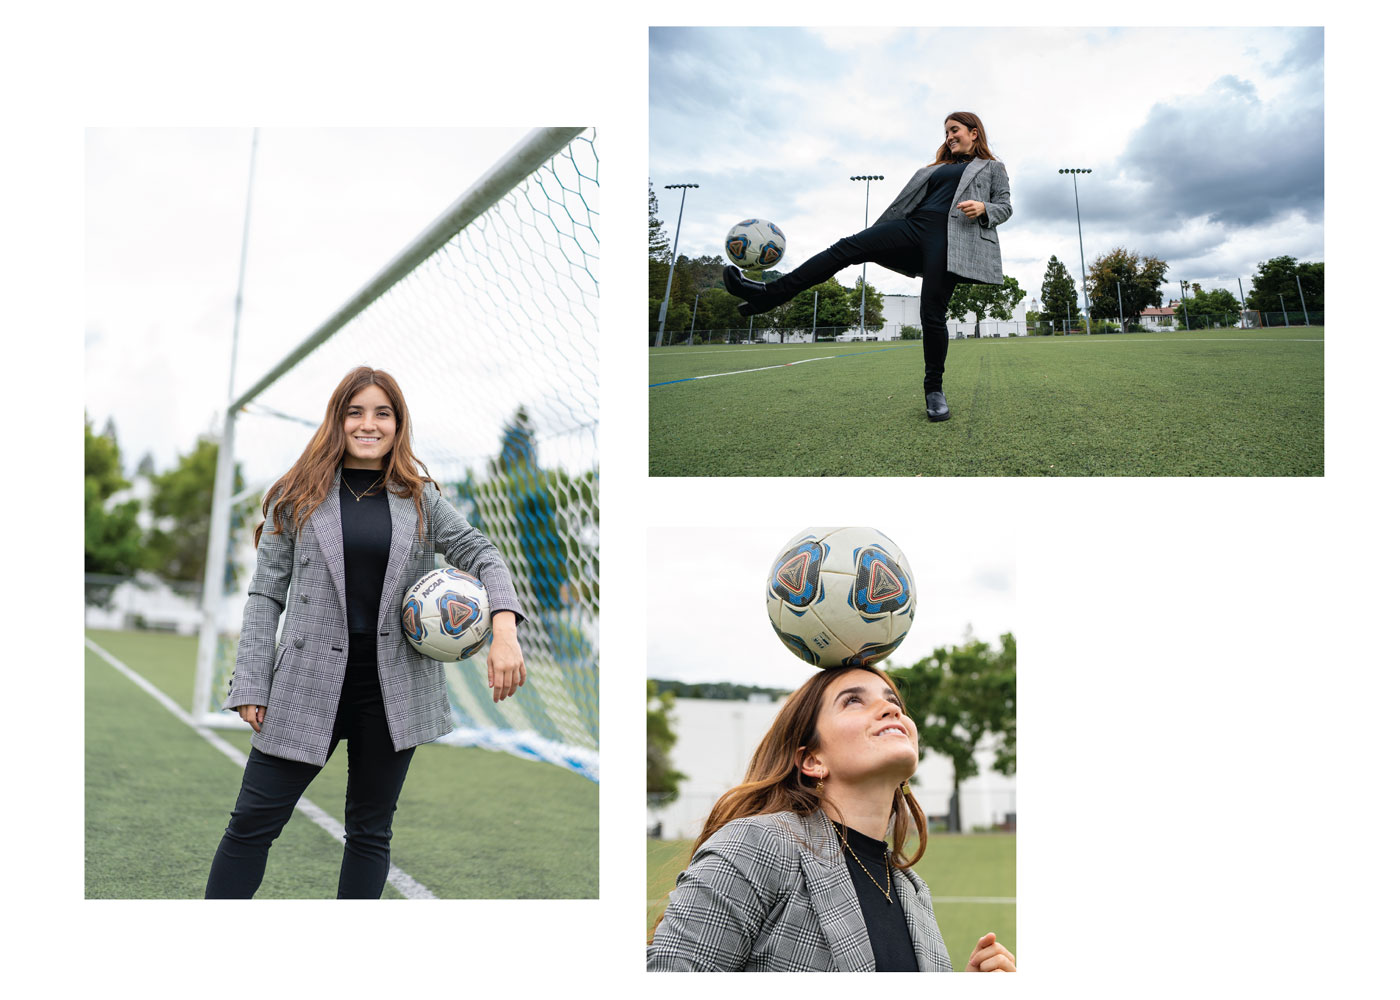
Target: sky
x: 707, y: 620
x: 1206, y: 144
x: 164, y: 228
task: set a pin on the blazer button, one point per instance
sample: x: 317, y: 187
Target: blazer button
x: 303, y: 598
x: 305, y: 560
x: 298, y: 642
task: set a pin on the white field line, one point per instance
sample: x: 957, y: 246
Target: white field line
x: 696, y: 378
x: 975, y: 899
x: 398, y: 878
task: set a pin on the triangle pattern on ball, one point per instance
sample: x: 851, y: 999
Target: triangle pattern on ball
x: 459, y: 613
x: 884, y: 583
x: 793, y: 573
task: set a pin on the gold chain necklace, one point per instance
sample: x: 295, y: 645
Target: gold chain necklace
x: 360, y: 496
x: 886, y: 890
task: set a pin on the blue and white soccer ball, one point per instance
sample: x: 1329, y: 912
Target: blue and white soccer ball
x: 841, y: 597
x: 755, y: 245
x: 446, y: 615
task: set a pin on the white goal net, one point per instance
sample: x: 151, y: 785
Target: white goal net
x: 489, y: 322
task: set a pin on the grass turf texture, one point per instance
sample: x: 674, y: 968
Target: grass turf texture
x: 470, y: 823
x: 1207, y: 403
x: 981, y: 865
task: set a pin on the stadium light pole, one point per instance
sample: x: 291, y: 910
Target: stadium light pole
x: 1083, y: 274
x: 1240, y: 282
x: 867, y: 178
x: 693, y: 310
x: 1301, y: 300
x: 661, y: 322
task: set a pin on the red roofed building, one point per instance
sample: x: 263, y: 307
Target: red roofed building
x: 1158, y: 318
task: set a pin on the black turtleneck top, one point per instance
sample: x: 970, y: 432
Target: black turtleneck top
x: 942, y: 185
x: 364, y: 529
x: 884, y: 918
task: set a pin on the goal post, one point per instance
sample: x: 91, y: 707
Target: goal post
x: 489, y: 322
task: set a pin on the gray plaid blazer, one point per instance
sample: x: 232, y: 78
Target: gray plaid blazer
x: 299, y: 678
x: 974, y: 251
x: 773, y: 894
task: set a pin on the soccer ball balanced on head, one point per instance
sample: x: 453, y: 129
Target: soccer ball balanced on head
x: 841, y: 597
x: 943, y: 226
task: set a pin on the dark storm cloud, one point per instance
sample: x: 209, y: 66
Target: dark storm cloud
x: 1224, y: 156
x: 1228, y: 156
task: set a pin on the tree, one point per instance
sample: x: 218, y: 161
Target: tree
x: 181, y: 499
x: 960, y: 696
x: 1140, y: 277
x: 982, y: 301
x: 663, y: 781
x: 112, y: 541
x: 528, y: 509
x: 1217, y: 307
x: 658, y: 255
x: 1280, y: 276
x: 718, y: 310
x: 1057, y: 292
x: 874, y: 305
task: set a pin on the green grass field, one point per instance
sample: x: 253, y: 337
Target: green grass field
x: 470, y: 823
x: 972, y: 865
x: 1207, y: 403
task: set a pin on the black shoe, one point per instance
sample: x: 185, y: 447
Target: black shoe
x: 737, y: 285
x: 753, y: 308
x: 937, y: 408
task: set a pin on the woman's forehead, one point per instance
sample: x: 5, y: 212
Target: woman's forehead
x: 857, y: 678
x: 370, y: 395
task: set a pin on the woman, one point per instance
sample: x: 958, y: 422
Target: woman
x: 353, y: 524
x: 942, y: 226
x: 791, y: 872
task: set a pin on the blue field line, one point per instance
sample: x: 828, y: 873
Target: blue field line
x: 785, y: 364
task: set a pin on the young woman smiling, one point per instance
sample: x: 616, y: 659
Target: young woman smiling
x: 792, y: 871
x: 348, y: 529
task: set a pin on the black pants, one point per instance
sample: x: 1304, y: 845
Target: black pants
x: 926, y: 231
x: 272, y: 786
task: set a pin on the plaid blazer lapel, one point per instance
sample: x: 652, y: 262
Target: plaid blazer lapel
x: 972, y: 170
x: 834, y: 898
x: 325, y: 525
x: 920, y: 933
x: 403, y: 529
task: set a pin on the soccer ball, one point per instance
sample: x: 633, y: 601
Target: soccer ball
x: 446, y: 615
x: 841, y: 597
x: 755, y: 245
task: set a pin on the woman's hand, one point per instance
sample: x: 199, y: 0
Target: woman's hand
x: 989, y: 956
x: 253, y: 715
x: 505, y: 665
x: 972, y: 209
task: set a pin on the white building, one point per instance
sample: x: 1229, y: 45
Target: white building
x: 903, y: 310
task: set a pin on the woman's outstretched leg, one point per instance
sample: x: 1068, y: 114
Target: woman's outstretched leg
x: 877, y: 241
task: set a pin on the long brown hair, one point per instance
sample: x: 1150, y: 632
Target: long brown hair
x: 980, y: 149
x: 305, y: 486
x: 774, y: 784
